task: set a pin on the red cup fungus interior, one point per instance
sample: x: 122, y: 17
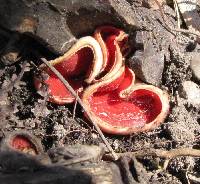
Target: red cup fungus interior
x: 23, y: 144
x: 73, y: 70
x: 141, y: 107
x: 77, y: 65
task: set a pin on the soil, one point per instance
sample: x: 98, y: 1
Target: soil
x: 22, y: 108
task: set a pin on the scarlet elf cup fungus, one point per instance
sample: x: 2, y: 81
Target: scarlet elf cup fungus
x: 117, y: 103
x: 79, y: 66
x: 22, y: 141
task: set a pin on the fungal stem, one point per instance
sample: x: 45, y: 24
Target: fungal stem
x: 71, y: 90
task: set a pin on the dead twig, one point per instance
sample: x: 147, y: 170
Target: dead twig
x: 172, y: 153
x: 162, y: 153
x: 71, y: 90
x: 75, y: 104
x: 177, y: 14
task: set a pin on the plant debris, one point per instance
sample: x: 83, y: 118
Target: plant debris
x: 167, y: 154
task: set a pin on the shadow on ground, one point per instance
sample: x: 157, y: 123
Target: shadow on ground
x: 19, y: 168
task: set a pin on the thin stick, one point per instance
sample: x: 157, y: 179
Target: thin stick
x: 171, y: 153
x: 71, y: 90
x: 177, y: 14
x: 75, y: 104
x: 162, y: 153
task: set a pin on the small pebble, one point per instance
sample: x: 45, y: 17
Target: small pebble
x: 116, y: 144
x: 191, y: 92
x: 148, y: 67
x: 94, y: 136
x: 60, y: 131
x: 195, y: 65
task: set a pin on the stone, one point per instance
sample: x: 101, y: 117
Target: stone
x: 183, y: 125
x: 57, y: 23
x: 36, y: 19
x: 190, y: 91
x: 195, y: 65
x: 148, y: 65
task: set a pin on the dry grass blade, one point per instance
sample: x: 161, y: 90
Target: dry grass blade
x: 68, y: 86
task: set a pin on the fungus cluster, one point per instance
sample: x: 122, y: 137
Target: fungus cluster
x: 95, y: 68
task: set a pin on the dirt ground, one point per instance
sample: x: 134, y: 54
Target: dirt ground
x: 22, y: 108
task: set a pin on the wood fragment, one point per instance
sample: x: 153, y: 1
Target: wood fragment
x: 75, y: 105
x: 23, y: 169
x: 177, y: 14
x: 68, y: 86
x: 162, y: 153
